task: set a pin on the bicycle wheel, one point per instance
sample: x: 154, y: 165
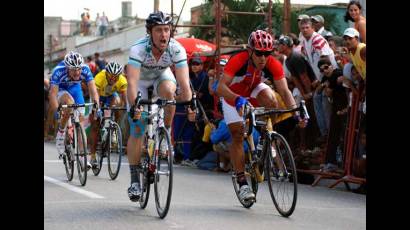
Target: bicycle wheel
x: 280, y: 170
x: 250, y: 177
x: 81, y: 153
x: 114, y: 150
x: 68, y: 157
x: 163, y: 173
x: 99, y: 157
x: 144, y: 182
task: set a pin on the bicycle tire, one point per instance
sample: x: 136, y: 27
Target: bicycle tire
x: 68, y: 158
x: 163, y: 159
x: 81, y: 153
x: 250, y: 177
x: 284, y: 201
x: 99, y: 157
x: 114, y: 153
x: 144, y: 182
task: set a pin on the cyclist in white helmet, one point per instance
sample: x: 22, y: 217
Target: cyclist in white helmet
x: 149, y: 65
x: 66, y: 89
x: 112, y: 90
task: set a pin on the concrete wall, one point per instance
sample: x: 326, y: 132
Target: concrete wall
x: 115, y: 46
x: 51, y: 26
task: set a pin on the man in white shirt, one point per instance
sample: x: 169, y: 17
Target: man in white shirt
x: 314, y: 46
x: 319, y: 24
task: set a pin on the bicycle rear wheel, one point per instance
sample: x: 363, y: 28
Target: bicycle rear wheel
x: 250, y: 177
x: 163, y: 173
x: 282, y: 177
x: 99, y: 157
x: 114, y: 150
x: 68, y: 157
x: 81, y: 153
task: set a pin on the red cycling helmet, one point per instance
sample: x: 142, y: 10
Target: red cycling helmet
x: 260, y: 40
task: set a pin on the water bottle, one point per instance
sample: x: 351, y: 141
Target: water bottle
x: 150, y: 147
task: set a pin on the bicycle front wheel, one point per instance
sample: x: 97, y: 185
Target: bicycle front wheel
x: 68, y: 157
x: 281, y: 173
x: 163, y: 173
x: 251, y: 179
x: 144, y: 182
x: 81, y: 153
x: 115, y: 150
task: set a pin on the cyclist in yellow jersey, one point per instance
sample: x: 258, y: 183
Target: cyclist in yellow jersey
x: 112, y: 89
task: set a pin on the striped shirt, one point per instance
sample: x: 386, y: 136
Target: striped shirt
x: 315, y: 47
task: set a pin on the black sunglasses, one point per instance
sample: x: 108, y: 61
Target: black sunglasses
x: 264, y: 53
x: 324, y: 68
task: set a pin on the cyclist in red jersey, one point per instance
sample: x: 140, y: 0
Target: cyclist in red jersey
x: 243, y: 78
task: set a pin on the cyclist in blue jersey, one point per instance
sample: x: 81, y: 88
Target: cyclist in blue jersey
x: 66, y: 89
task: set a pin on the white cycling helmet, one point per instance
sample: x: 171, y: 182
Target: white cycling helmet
x: 73, y: 60
x: 114, y: 68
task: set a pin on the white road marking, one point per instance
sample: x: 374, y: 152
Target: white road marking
x: 73, y: 188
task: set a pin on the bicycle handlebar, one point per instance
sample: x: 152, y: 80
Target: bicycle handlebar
x: 113, y: 108
x: 160, y: 102
x: 250, y: 113
x: 74, y: 106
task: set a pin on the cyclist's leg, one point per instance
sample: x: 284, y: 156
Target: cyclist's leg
x: 134, y: 145
x: 236, y: 152
x: 165, y: 87
x: 95, y: 129
x: 235, y: 124
x: 115, y: 100
x: 266, y: 98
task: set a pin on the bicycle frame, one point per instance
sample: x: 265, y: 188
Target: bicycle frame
x: 267, y: 133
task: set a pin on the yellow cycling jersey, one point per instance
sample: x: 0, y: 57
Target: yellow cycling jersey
x: 104, y: 89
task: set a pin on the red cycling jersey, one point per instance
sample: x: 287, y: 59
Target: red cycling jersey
x: 246, y: 77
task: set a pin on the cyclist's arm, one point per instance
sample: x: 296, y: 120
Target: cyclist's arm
x: 133, y: 77
x: 283, y: 90
x: 223, y: 89
x: 93, y: 91
x: 123, y: 96
x: 52, y: 97
x: 182, y: 77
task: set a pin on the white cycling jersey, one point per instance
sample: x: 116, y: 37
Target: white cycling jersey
x: 141, y: 57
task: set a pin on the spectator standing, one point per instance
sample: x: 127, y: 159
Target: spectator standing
x: 98, y: 24
x: 354, y: 14
x: 99, y: 61
x: 357, y: 50
x: 104, y: 24
x: 319, y: 25
x: 332, y: 87
x: 314, y: 46
x: 92, y: 65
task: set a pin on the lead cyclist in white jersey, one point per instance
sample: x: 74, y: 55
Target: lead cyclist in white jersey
x: 149, y: 64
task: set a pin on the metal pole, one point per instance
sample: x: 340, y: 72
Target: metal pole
x: 51, y: 49
x: 270, y: 17
x: 242, y: 12
x: 156, y: 5
x: 218, y: 36
x: 286, y: 17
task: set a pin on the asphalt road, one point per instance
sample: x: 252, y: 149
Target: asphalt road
x: 201, y: 200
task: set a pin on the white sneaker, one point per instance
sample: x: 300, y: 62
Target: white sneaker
x: 246, y: 194
x: 60, y: 142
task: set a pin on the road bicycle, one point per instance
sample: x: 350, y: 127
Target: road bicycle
x: 75, y: 143
x: 109, y: 143
x: 272, y: 160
